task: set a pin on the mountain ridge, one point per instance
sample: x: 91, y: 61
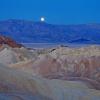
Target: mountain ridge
x: 30, y: 31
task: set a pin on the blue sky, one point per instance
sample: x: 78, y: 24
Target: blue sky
x: 55, y: 11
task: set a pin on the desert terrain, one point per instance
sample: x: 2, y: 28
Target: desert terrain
x: 60, y: 73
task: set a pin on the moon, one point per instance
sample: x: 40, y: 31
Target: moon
x: 42, y: 19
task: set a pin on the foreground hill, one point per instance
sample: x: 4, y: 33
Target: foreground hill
x: 17, y: 85
x: 28, y: 31
x: 59, y: 73
x: 82, y: 64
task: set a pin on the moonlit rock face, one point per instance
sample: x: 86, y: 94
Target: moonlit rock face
x: 42, y: 19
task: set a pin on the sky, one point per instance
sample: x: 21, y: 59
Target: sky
x: 54, y: 11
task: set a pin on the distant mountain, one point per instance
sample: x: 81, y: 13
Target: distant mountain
x: 28, y: 31
x: 82, y: 40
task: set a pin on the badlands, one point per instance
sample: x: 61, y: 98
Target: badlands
x: 60, y: 73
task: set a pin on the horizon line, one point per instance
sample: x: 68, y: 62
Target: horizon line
x: 29, y: 20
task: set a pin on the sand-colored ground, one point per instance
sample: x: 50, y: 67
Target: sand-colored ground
x: 60, y: 73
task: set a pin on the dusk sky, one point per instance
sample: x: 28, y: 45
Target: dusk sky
x: 54, y: 11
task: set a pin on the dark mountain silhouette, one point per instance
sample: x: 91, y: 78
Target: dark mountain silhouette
x: 28, y: 31
x: 81, y: 40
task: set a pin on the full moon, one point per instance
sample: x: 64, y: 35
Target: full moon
x: 42, y: 19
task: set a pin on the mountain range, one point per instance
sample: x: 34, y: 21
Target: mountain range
x: 42, y: 32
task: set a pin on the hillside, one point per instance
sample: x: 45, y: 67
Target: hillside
x: 61, y: 73
x: 8, y: 41
x: 28, y: 31
x: 17, y: 85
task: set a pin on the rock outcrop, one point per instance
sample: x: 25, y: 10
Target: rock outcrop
x: 9, y: 55
x: 9, y: 41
